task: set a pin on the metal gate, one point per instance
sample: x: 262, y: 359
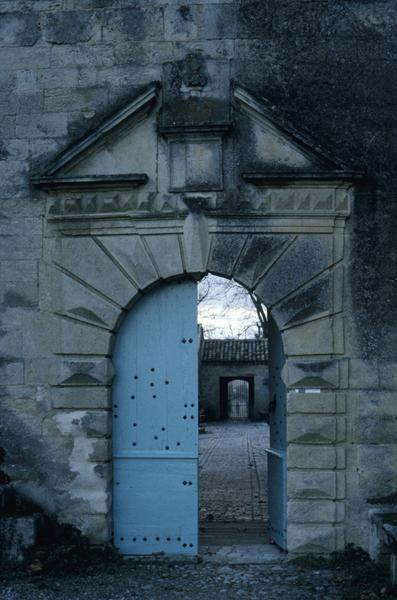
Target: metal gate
x: 277, y: 455
x: 155, y: 428
x: 238, y: 399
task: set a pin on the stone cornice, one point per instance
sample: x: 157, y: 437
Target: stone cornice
x: 92, y: 182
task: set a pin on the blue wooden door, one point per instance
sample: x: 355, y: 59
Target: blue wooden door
x: 277, y: 453
x: 155, y: 424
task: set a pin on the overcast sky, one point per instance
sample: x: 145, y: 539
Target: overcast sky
x: 227, y: 310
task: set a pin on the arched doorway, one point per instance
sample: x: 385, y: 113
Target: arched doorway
x: 155, y: 425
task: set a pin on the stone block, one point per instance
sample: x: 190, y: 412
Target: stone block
x: 199, y: 21
x: 21, y: 237
x: 7, y: 128
x: 20, y: 282
x: 312, y: 484
x: 80, y: 397
x: 68, y: 27
x: 304, y: 259
x: 85, y: 259
x: 15, y: 184
x: 58, y: 100
x: 324, y: 402
x: 375, y: 417
x: 37, y: 371
x: 218, y: 49
x: 38, y: 332
x: 144, y: 52
x: 319, y: 374
x: 11, y: 370
x: 258, y: 255
x: 19, y: 30
x: 41, y: 126
x: 312, y: 511
x: 166, y: 254
x: 388, y: 374
x: 311, y: 430
x: 67, y: 77
x: 83, y: 371
x: 25, y: 58
x: 79, y: 302
x: 316, y: 539
x: 97, y: 528
x: 377, y: 471
x: 84, y: 424
x: 363, y: 374
x: 19, y: 294
x: 137, y: 24
x: 315, y: 337
x: 26, y: 81
x: 196, y: 243
x: 310, y: 302
x: 78, y: 338
x: 18, y: 535
x: 303, y: 457
x: 82, y: 56
x: 101, y: 451
x: 225, y: 251
x: 11, y: 343
x: 196, y: 164
x: 28, y: 103
x: 125, y: 80
x: 16, y: 150
x: 131, y: 254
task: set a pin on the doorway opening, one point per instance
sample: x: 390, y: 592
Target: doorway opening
x: 234, y: 405
x: 236, y: 398
x: 162, y: 483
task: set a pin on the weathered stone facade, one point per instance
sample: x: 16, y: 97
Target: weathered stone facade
x: 192, y: 174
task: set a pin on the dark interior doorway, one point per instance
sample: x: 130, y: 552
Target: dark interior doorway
x: 236, y: 399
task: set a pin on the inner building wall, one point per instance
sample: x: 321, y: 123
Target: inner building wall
x: 210, y: 389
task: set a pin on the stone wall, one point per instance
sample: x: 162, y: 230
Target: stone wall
x: 210, y: 387
x: 327, y: 66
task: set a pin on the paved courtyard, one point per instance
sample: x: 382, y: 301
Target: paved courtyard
x: 233, y: 484
x: 233, y: 472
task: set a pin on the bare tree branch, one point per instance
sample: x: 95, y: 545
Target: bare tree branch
x: 226, y: 309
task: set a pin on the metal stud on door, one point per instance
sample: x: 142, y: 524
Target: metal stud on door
x: 155, y: 429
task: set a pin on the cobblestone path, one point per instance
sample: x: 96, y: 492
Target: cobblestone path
x: 233, y: 472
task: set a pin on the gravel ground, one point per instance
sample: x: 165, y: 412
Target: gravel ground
x: 79, y: 573
x: 131, y: 580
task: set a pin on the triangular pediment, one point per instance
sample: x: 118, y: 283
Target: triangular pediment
x: 112, y: 154
x: 133, y: 147
x: 271, y: 146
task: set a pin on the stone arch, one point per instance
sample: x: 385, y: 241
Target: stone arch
x: 297, y: 274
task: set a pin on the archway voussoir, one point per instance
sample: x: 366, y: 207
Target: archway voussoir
x: 307, y: 257
x: 225, y: 251
x: 260, y: 252
x: 165, y: 252
x: 130, y: 254
x: 85, y: 260
x: 79, y: 302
